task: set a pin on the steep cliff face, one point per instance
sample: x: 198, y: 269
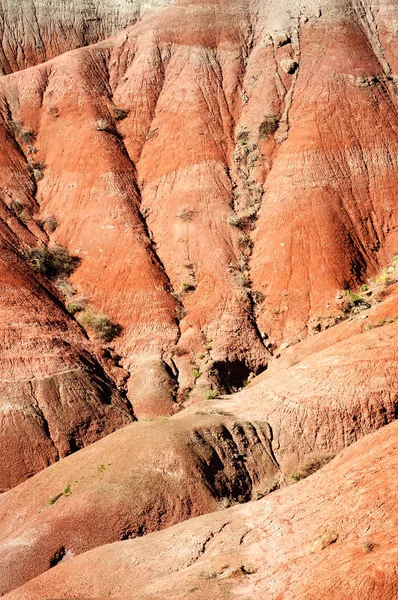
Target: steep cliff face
x: 33, y: 31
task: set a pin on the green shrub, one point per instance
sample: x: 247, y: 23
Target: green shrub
x: 187, y: 287
x: 382, y: 277
x: 53, y: 262
x: 242, y: 136
x: 211, y: 394
x: 74, y: 307
x: 101, y: 325
x: 196, y: 373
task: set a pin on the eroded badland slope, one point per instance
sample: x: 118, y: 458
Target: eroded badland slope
x: 198, y: 229
x: 33, y: 31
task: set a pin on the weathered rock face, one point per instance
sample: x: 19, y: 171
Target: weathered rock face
x: 167, y: 472
x: 199, y: 156
x: 214, y: 173
x: 152, y: 475
x: 330, y: 536
x: 188, y: 162
x: 33, y: 31
x: 55, y: 396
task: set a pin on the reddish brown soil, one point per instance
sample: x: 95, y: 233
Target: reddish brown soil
x: 223, y: 172
x: 281, y: 546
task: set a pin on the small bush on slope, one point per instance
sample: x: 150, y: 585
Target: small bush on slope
x: 53, y: 262
x: 100, y: 325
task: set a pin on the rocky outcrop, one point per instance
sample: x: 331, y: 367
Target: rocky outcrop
x: 329, y: 536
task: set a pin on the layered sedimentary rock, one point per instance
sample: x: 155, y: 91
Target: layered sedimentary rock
x: 214, y: 169
x: 166, y: 473
x: 192, y: 187
x: 330, y: 536
x: 33, y: 31
x: 216, y: 174
x: 154, y: 474
x: 55, y: 395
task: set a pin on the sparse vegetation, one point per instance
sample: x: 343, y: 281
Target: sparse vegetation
x: 49, y: 224
x: 67, y: 490
x: 242, y: 279
x: 383, y: 276
x: 245, y: 242
x: 200, y: 355
x: 368, y: 545
x: 211, y: 394
x: 103, y: 125
x: 181, y: 313
x: 120, y: 113
x: 37, y: 175
x: 380, y: 323
x: 235, y: 221
x: 23, y: 135
x: 242, y: 135
x: 37, y: 169
x: 53, y: 262
x: 187, y: 286
x: 101, y: 325
x: 53, y: 111
x: 74, y: 307
x: 268, y: 126
x: 257, y: 297
x: 17, y: 206
x: 311, y: 465
x: 186, y: 214
x: 196, y: 373
x: 355, y: 299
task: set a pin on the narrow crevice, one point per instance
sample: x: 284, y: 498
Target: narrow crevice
x: 45, y: 424
x: 204, y: 545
